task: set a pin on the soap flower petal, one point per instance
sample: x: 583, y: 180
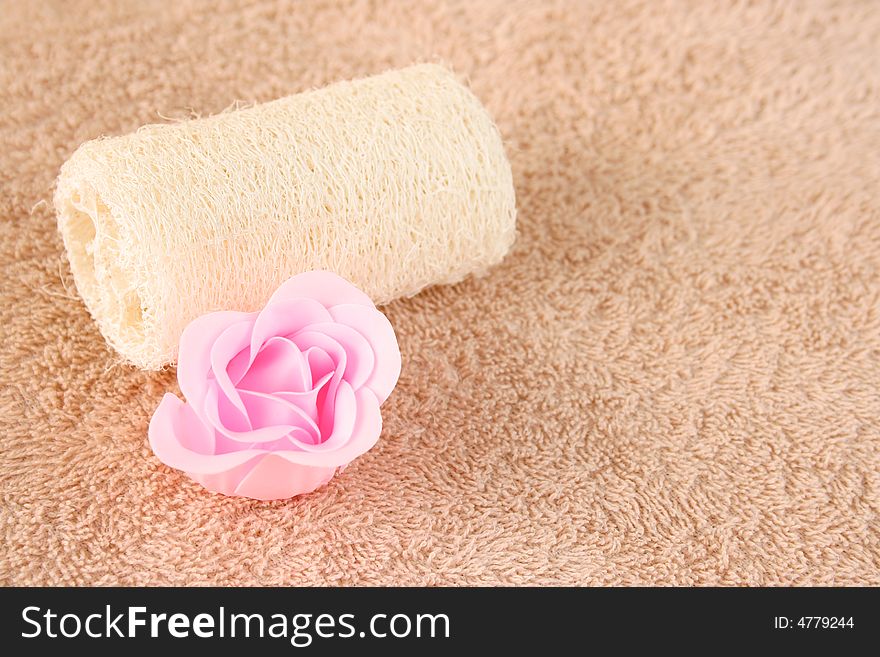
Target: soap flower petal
x: 278, y: 401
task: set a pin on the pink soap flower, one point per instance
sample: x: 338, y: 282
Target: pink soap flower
x: 278, y: 400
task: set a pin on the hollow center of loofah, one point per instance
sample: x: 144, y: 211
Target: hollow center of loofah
x: 91, y: 237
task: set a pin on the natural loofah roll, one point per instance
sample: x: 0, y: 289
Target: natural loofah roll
x: 395, y: 182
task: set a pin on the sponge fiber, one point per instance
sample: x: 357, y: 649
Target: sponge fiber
x: 395, y: 182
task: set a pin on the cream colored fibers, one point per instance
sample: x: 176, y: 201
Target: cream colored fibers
x: 396, y: 182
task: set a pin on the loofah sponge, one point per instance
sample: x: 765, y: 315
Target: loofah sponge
x: 395, y: 182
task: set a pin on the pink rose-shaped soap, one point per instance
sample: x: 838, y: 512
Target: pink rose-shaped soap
x: 278, y: 400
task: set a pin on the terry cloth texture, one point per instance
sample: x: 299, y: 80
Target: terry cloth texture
x: 672, y: 378
x: 395, y: 182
